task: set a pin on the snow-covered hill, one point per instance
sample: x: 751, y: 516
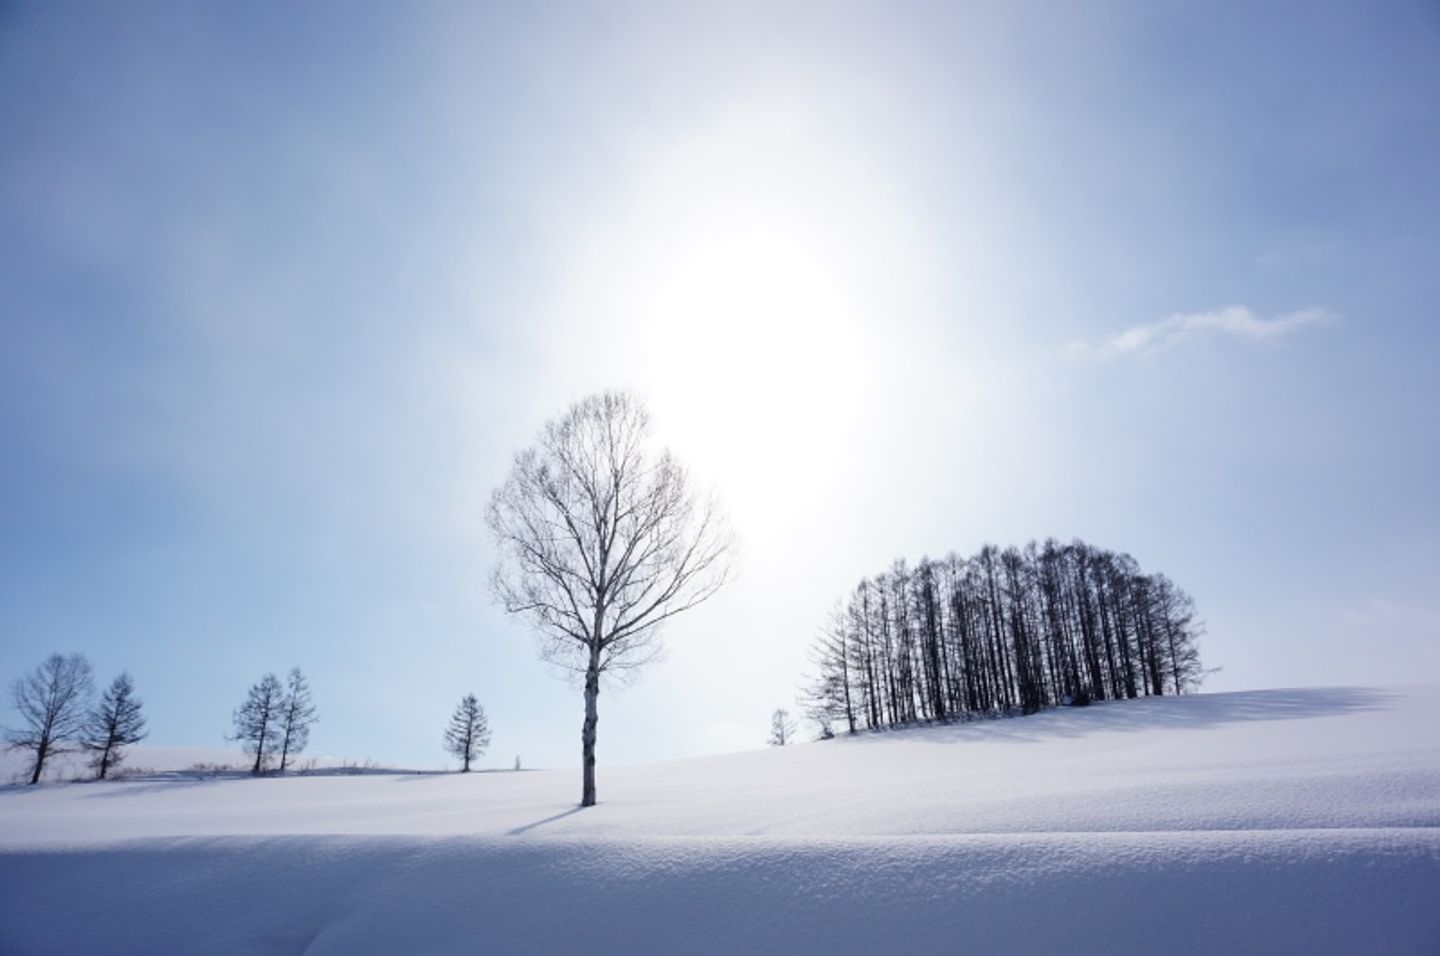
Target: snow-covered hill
x: 1300, y: 820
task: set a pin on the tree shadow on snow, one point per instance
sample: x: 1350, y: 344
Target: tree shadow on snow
x: 180, y: 780
x: 518, y: 831
x: 149, y: 783
x: 410, y: 776
x: 1190, y: 711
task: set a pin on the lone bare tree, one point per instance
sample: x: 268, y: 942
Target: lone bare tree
x: 782, y: 728
x: 297, y: 713
x: 114, y: 724
x: 52, y: 702
x: 602, y: 539
x: 257, y: 721
x: 469, y: 732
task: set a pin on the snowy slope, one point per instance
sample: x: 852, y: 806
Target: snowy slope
x: 1290, y: 821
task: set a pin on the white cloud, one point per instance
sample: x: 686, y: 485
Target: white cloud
x: 1235, y: 321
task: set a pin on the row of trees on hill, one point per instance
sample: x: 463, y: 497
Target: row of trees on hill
x: 273, y: 725
x: 1002, y: 632
x: 59, y: 714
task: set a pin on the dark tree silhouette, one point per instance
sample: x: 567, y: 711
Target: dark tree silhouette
x: 469, y: 732
x: 258, y: 721
x: 112, y: 725
x: 602, y: 540
x: 1003, y: 632
x: 297, y: 713
x: 52, y: 701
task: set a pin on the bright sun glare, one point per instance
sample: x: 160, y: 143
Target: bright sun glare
x: 742, y: 275
x: 753, y: 336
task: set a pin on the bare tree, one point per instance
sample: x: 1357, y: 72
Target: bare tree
x: 258, y: 720
x: 826, y: 698
x: 297, y: 713
x: 114, y: 724
x: 782, y: 728
x: 602, y: 539
x: 469, y: 732
x: 52, y: 701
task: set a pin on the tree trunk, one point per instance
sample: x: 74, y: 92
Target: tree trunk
x: 40, y: 753
x: 587, y: 730
x: 259, y: 749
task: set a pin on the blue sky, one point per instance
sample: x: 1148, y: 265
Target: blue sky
x: 283, y: 290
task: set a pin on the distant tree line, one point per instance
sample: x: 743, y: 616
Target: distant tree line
x: 1003, y: 632
x: 59, y: 714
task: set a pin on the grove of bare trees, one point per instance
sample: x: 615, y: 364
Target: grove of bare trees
x: 1002, y: 632
x: 602, y: 539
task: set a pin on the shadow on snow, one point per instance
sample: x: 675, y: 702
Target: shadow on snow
x: 1189, y: 711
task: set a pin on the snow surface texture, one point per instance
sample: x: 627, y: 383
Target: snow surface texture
x: 1270, y: 821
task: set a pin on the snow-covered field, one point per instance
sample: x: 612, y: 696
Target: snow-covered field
x: 1300, y: 820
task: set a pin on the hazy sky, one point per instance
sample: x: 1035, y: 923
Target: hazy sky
x: 284, y: 287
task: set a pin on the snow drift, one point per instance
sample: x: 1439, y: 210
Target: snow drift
x: 1272, y: 821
